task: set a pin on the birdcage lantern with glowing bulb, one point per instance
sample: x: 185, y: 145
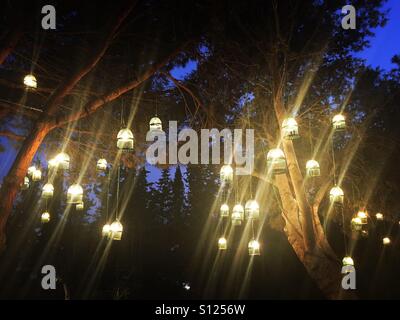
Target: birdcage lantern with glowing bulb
x: 313, y: 169
x: 252, y: 209
x: 101, y: 165
x: 226, y: 174
x: 224, y: 210
x: 254, y: 248
x: 339, y: 122
x: 80, y: 206
x: 47, y: 190
x: 290, y: 129
x: 336, y: 196
x: 125, y: 139
x: 356, y: 224
x: 75, y: 194
x: 276, y: 161
x: 237, y: 215
x: 62, y: 161
x: 52, y: 164
x: 31, y: 170
x: 379, y: 216
x: 25, y: 184
x: 37, y: 175
x: 386, y: 241
x: 363, y: 217
x: 222, y: 243
x: 348, y: 261
x: 116, y: 229
x: 106, y: 230
x: 30, y: 82
x: 155, y: 124
x: 45, y: 217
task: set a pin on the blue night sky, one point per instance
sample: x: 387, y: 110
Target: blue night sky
x: 383, y: 46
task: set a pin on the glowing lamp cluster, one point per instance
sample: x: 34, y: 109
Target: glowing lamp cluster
x: 116, y: 229
x: 30, y: 81
x: 45, y: 217
x: 226, y: 174
x: 237, y: 215
x: 75, y: 194
x: 339, y: 122
x: 47, y: 191
x: 224, y: 210
x: 35, y: 174
x: 101, y: 165
x: 336, y: 195
x: 254, y: 248
x: 290, y: 129
x: 222, y: 243
x: 252, y: 209
x: 313, y: 169
x: 363, y: 216
x: 125, y: 139
x: 356, y: 224
x: 276, y: 161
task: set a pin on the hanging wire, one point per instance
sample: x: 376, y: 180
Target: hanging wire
x: 118, y: 180
x: 333, y: 161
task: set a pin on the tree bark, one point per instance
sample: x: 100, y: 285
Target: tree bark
x: 16, y: 175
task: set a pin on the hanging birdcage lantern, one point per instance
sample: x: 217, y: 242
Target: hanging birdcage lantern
x: 222, y: 243
x: 25, y: 184
x: 37, y: 175
x: 254, y: 248
x: 155, y: 124
x: 224, y: 210
x: 348, y: 261
x: 80, y: 206
x: 339, y: 122
x: 379, y: 216
x: 74, y: 194
x: 290, y: 129
x: 30, y: 81
x: 312, y: 168
x: 31, y: 170
x: 106, y: 231
x: 226, y: 174
x: 48, y: 190
x: 363, y: 216
x: 386, y: 241
x: 62, y: 161
x: 116, y: 230
x: 252, y: 209
x: 101, y: 165
x: 45, y: 217
x: 237, y: 215
x: 125, y: 139
x: 336, y: 195
x: 356, y: 224
x: 52, y: 164
x: 276, y: 161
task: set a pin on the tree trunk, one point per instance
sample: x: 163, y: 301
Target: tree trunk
x: 16, y: 175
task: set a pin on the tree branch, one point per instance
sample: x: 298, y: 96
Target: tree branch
x: 11, y: 135
x: 63, y: 89
x: 95, y: 104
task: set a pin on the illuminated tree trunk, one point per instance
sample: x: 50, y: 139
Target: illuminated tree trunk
x: 303, y: 227
x: 16, y: 175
